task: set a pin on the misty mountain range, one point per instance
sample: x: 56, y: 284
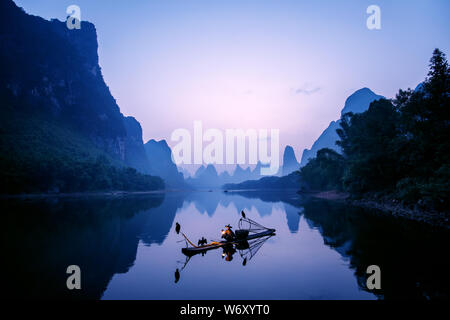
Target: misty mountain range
x: 358, y: 102
x: 59, y: 118
x: 208, y: 177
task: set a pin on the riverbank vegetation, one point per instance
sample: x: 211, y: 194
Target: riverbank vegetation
x: 41, y: 156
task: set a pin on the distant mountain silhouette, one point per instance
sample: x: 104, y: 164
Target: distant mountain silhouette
x: 159, y: 155
x: 185, y: 172
x: 290, y: 163
x: 286, y: 178
x: 358, y: 102
x: 241, y: 174
x: 205, y: 177
x: 208, y: 177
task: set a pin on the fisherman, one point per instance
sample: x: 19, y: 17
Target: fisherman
x: 228, y: 234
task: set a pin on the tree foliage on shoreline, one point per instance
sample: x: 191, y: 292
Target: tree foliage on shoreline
x: 324, y: 172
x: 398, y: 148
x: 65, y: 175
x: 40, y: 156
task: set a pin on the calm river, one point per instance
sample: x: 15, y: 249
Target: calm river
x: 127, y: 248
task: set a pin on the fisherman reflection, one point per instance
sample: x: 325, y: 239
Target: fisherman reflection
x: 228, y: 252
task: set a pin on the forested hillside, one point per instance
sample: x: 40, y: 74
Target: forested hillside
x: 397, y: 149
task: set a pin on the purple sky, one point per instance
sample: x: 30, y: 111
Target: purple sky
x: 255, y: 64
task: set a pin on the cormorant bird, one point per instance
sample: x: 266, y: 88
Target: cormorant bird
x: 202, y: 241
x: 177, y: 228
x: 177, y: 275
x: 243, y: 214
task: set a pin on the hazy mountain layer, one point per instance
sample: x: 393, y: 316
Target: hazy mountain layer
x: 358, y: 102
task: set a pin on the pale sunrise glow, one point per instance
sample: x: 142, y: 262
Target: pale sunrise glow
x: 288, y: 65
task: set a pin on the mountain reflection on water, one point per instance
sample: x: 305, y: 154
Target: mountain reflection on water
x: 127, y: 248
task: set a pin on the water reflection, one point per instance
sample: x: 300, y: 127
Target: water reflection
x: 409, y: 254
x: 247, y: 239
x: 129, y: 248
x: 42, y: 238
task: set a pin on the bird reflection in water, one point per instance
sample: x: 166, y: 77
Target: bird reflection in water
x: 177, y: 275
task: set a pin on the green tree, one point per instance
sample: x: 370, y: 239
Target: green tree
x: 324, y: 172
x: 398, y: 148
x: 369, y: 144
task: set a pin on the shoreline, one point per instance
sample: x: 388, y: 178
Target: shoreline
x: 395, y: 209
x: 116, y: 193
x: 328, y: 195
x: 387, y: 207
